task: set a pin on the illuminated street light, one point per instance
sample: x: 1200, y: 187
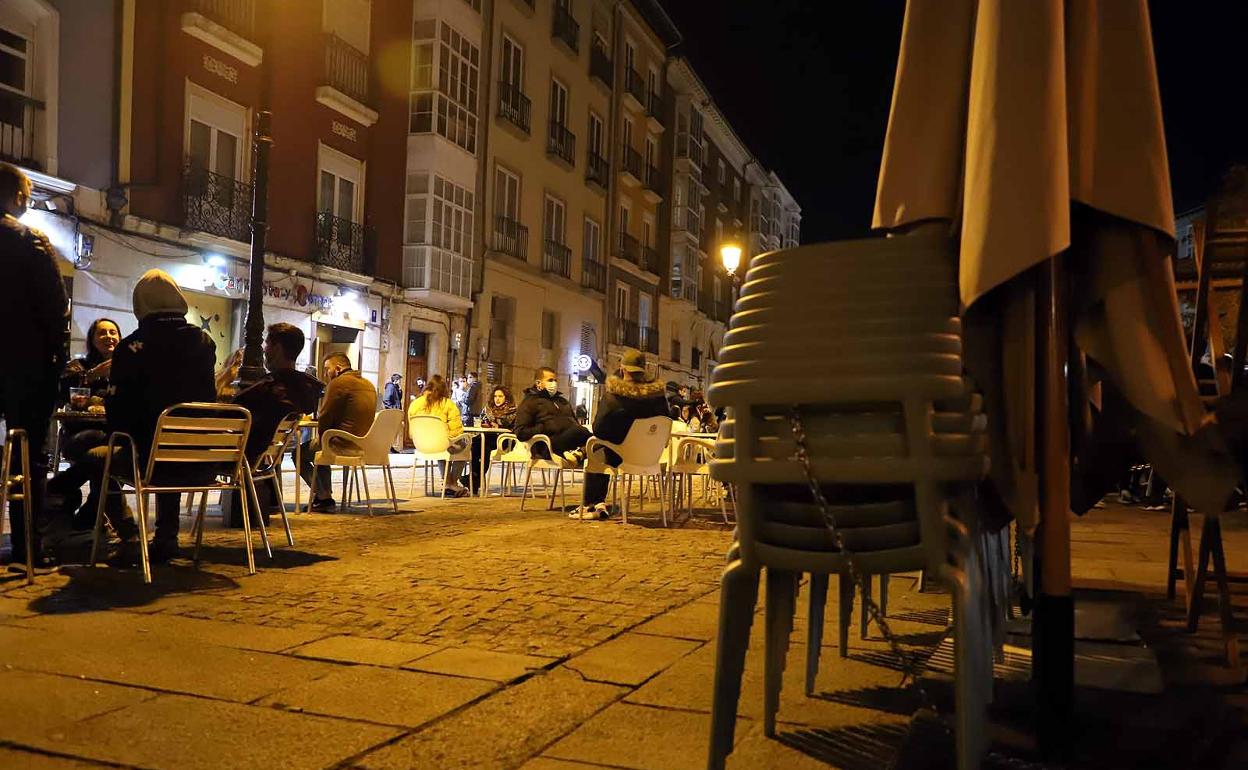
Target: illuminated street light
x: 730, y: 254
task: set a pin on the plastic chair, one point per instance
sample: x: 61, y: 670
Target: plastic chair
x: 432, y: 440
x: 510, y: 451
x: 371, y: 450
x: 205, y: 434
x: 17, y: 436
x: 551, y: 462
x: 691, y: 458
x: 640, y: 453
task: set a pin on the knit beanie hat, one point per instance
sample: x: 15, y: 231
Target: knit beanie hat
x: 156, y: 292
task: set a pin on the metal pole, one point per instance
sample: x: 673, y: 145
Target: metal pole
x: 253, y: 351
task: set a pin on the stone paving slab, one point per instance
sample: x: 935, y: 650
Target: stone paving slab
x: 43, y: 705
x: 480, y: 664
x: 382, y: 695
x: 630, y: 659
x: 501, y: 731
x: 356, y: 649
x: 176, y: 732
x: 641, y: 738
x: 29, y: 760
x: 697, y: 620
x: 548, y: 763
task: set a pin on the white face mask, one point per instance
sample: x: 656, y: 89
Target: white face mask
x: 551, y: 387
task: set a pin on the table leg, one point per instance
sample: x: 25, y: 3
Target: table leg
x: 298, y: 462
x: 484, y: 488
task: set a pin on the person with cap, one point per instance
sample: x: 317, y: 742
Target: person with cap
x: 630, y: 396
x: 166, y: 361
x: 34, y: 313
x: 393, y: 397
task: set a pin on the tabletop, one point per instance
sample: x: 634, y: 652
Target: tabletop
x: 63, y: 415
x: 480, y: 429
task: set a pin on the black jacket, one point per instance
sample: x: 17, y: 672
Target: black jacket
x: 473, y: 398
x: 393, y: 398
x: 626, y: 401
x: 271, y: 399
x: 34, y: 311
x: 541, y: 412
x: 166, y: 361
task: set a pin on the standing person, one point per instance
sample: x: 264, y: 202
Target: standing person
x: 472, y: 398
x: 500, y: 412
x: 436, y: 402
x: 630, y: 396
x: 544, y: 410
x: 350, y: 403
x: 34, y: 313
x: 393, y: 398
x: 166, y: 361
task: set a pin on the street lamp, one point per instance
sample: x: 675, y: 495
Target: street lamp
x: 730, y: 254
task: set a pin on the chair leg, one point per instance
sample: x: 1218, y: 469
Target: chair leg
x: 528, y: 477
x: 884, y: 595
x: 1195, y: 598
x: 781, y: 604
x: 662, y: 507
x: 845, y: 610
x: 738, y: 595
x: 367, y: 494
x: 254, y: 504
x: 864, y: 620
x: 814, y: 627
x: 251, y: 557
x: 554, y: 489
x: 411, y: 487
x: 563, y: 490
x: 28, y: 518
x: 140, y: 504
x: 281, y: 503
x: 312, y: 489
x: 1229, y: 639
x: 394, y: 494
x: 99, y: 509
x: 4, y: 489
x: 1180, y: 543
x: 199, y: 527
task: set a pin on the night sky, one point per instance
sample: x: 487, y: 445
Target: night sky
x: 807, y: 87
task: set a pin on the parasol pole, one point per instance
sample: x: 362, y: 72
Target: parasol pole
x: 1053, y: 621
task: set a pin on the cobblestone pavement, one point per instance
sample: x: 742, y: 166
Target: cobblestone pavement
x: 454, y: 634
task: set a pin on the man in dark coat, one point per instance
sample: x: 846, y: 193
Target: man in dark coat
x: 630, y: 396
x: 166, y: 361
x: 393, y: 397
x: 472, y: 398
x: 34, y: 313
x: 544, y: 410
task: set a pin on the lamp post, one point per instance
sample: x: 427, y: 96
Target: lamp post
x: 253, y: 347
x: 730, y: 255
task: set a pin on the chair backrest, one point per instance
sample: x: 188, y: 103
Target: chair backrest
x: 278, y: 446
x: 200, y: 433
x: 429, y: 434
x: 646, y: 440
x: 376, y: 445
x: 510, y: 449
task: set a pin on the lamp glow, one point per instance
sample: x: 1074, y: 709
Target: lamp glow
x: 215, y: 260
x: 730, y: 254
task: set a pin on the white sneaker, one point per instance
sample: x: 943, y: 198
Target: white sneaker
x: 574, y: 456
x: 583, y: 512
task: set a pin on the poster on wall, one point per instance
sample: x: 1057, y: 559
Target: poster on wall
x: 215, y: 316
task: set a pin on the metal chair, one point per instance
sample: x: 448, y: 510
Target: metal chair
x: 359, y: 453
x: 268, y: 466
x: 22, y: 482
x: 432, y: 441
x: 641, y: 453
x: 205, y: 434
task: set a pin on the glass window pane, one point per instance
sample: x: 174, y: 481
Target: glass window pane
x: 346, y: 199
x: 200, y: 149
x: 227, y: 155
x: 325, y: 196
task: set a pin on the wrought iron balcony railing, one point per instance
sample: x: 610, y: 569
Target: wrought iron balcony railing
x: 561, y: 143
x: 340, y: 243
x: 346, y: 68
x: 565, y: 28
x: 596, y: 170
x: 654, y: 180
x: 17, y: 129
x: 557, y: 259
x: 514, y: 106
x: 654, y: 107
x: 630, y: 162
x: 648, y: 339
x: 511, y: 237
x: 215, y: 204
x: 600, y: 65
x: 238, y: 16
x: 626, y: 332
x: 593, y: 275
x: 630, y: 249
x: 649, y: 259
x: 635, y: 86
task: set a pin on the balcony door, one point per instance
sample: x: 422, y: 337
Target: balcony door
x: 643, y: 320
x: 558, y: 103
x: 556, y: 221
x: 506, y: 194
x: 512, y: 68
x: 214, y: 134
x: 340, y: 185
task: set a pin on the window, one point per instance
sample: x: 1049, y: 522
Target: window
x: 593, y: 241
x: 721, y: 172
x: 438, y: 235
x: 214, y: 131
x: 736, y: 189
x: 719, y: 232
x: 558, y: 103
x: 628, y: 133
x: 676, y: 342
x: 474, y: 5
x: 550, y: 326
x: 555, y: 221
x: 595, y: 135
x: 622, y: 309
x: 652, y: 82
x: 588, y: 335
x: 452, y: 217
x: 625, y: 212
x: 340, y: 189
x: 630, y: 55
x: 14, y: 74
x: 643, y: 315
x: 506, y: 194
x: 647, y: 231
x: 451, y: 109
x: 513, y: 64
x: 717, y: 290
x: 652, y: 153
x: 416, y: 209
x: 678, y: 255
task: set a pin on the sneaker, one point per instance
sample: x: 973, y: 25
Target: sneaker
x: 574, y: 456
x: 324, y: 505
x: 603, y: 511
x: 581, y: 512
x: 458, y: 492
x: 162, y: 550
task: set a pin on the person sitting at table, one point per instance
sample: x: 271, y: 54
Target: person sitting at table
x: 350, y: 404
x: 678, y: 424
x: 545, y: 411
x: 689, y: 417
x: 500, y: 413
x: 707, y: 418
x: 630, y: 396
x: 283, y: 390
x: 436, y: 401
x: 79, y: 436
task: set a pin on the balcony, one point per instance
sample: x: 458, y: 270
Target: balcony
x: 565, y: 29
x: 216, y: 204
x: 511, y: 237
x: 630, y: 166
x: 340, y: 243
x: 648, y: 340
x: 690, y: 291
x: 437, y: 277
x: 227, y: 25
x: 600, y: 66
x: 596, y: 170
x: 635, y: 88
x: 594, y: 275
x: 653, y: 184
x: 345, y: 84
x: 17, y: 129
x: 557, y: 259
x: 513, y: 106
x: 626, y: 333
x: 561, y: 144
x: 654, y: 111
x: 649, y: 259
x: 630, y: 249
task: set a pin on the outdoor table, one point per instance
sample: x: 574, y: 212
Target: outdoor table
x: 478, y: 433
x: 299, y: 454
x: 62, y: 416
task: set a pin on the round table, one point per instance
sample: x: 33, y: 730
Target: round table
x: 62, y: 416
x: 477, y: 432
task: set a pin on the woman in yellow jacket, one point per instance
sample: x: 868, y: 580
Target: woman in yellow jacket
x: 436, y: 401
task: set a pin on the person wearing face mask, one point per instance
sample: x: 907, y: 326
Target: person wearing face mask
x: 544, y: 410
x: 34, y: 313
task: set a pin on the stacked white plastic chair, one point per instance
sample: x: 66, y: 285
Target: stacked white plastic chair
x: 862, y: 340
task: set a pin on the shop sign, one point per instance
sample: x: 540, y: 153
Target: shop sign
x: 299, y: 294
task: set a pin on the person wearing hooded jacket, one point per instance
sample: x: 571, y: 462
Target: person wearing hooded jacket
x: 544, y: 410
x: 630, y: 396
x: 166, y: 361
